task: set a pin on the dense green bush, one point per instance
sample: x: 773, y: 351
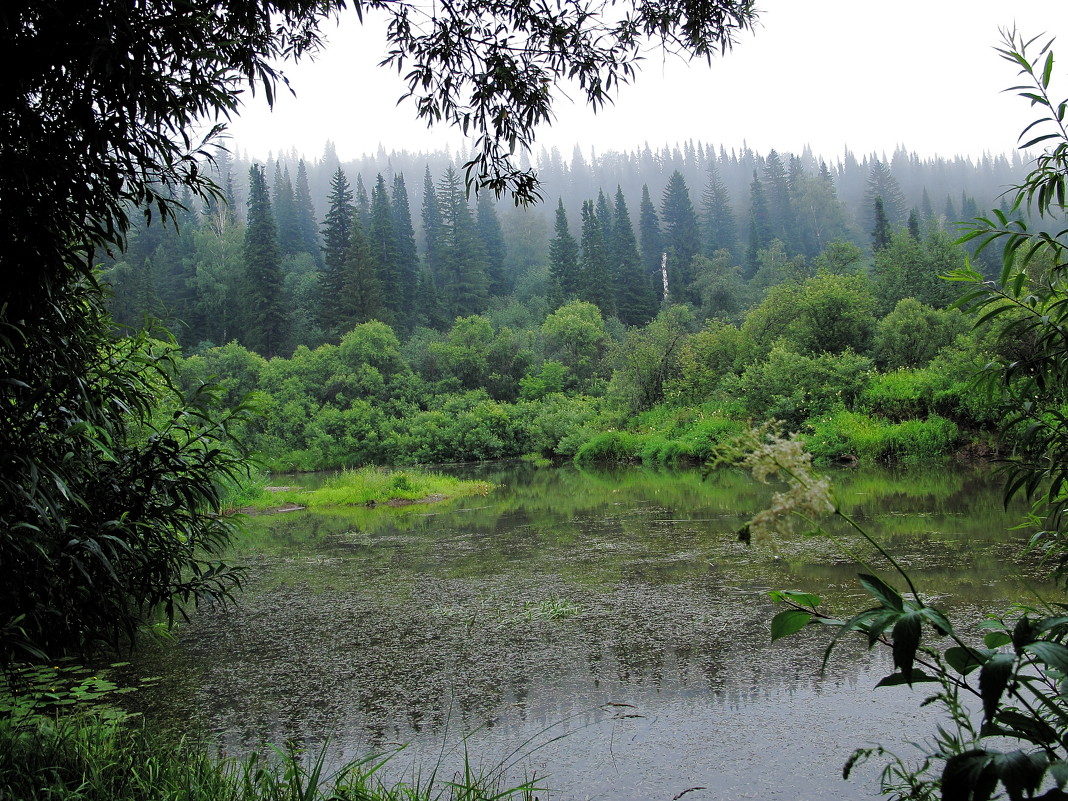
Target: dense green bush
x: 902, y: 394
x: 609, y: 447
x: 913, y: 333
x: 854, y: 435
x: 793, y: 387
x: 558, y: 425
x: 483, y: 390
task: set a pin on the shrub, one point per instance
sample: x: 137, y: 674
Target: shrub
x: 792, y: 387
x: 869, y: 438
x: 902, y: 394
x: 610, y: 447
x: 558, y: 425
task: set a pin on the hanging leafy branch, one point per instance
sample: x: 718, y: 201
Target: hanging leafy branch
x: 1029, y: 302
x: 490, y: 67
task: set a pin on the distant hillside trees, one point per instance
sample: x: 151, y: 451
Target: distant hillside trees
x: 422, y: 261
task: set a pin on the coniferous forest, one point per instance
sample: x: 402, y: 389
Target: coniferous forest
x: 650, y: 305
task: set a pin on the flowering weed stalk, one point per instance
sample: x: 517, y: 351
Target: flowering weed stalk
x: 1019, y: 674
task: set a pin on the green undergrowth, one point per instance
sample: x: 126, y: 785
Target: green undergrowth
x: 84, y: 758
x: 369, y: 486
x: 663, y: 436
x: 869, y: 438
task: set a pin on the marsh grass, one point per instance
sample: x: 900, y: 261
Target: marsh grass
x: 553, y: 608
x: 88, y: 759
x: 370, y: 486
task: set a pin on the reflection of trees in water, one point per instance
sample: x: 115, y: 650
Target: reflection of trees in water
x: 375, y: 634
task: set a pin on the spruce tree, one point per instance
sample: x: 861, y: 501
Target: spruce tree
x: 595, y: 281
x: 720, y: 229
x: 950, y: 211
x: 264, y: 316
x: 432, y: 228
x: 563, y: 260
x: 337, y: 232
x: 406, y: 253
x: 926, y: 209
x: 682, y: 239
x: 383, y: 247
x: 307, y: 227
x: 881, y: 183
x: 651, y: 242
x: 808, y: 199
x: 821, y: 218
x: 174, y: 263
x: 914, y: 224
x: 605, y: 218
x: 363, y: 202
x: 464, y: 281
x: 362, y: 299
x: 429, y: 310
x: 284, y: 204
x: 759, y: 226
x: 880, y: 234
x: 489, y: 231
x: 780, y: 210
x: 635, y: 292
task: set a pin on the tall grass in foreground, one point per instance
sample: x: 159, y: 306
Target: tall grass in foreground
x: 81, y: 758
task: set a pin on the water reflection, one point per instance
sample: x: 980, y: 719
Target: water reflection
x: 424, y: 625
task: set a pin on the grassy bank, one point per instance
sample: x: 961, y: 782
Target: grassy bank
x: 84, y: 758
x: 367, y: 486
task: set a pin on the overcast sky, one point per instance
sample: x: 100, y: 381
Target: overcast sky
x: 824, y: 73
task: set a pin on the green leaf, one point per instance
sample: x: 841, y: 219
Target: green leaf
x: 993, y: 679
x: 799, y: 598
x: 1027, y: 727
x: 938, y: 621
x: 1022, y: 633
x: 1052, y: 654
x: 881, y: 620
x: 914, y: 676
x: 1048, y: 623
x: 882, y: 591
x: 1021, y: 772
x: 996, y: 639
x: 965, y: 778
x: 1058, y: 771
x: 906, y: 641
x: 965, y: 660
x: 787, y: 622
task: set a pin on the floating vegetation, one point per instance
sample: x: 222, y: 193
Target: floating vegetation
x: 369, y: 486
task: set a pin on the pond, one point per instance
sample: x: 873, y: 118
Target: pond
x: 602, y: 631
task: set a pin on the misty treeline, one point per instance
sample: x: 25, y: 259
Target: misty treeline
x: 426, y: 254
x: 384, y: 315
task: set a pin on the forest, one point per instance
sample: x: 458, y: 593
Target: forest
x: 653, y: 304
x: 657, y: 306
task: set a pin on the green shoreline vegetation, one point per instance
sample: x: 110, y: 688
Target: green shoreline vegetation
x: 366, y: 486
x: 88, y: 759
x: 339, y: 406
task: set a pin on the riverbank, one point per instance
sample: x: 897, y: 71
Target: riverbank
x: 85, y: 758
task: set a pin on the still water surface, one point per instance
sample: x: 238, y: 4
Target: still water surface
x: 604, y: 632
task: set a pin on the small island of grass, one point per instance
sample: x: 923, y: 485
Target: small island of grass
x: 366, y: 486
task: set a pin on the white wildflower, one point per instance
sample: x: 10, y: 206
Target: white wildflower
x: 809, y: 495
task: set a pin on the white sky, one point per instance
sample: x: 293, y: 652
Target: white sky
x: 827, y: 73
